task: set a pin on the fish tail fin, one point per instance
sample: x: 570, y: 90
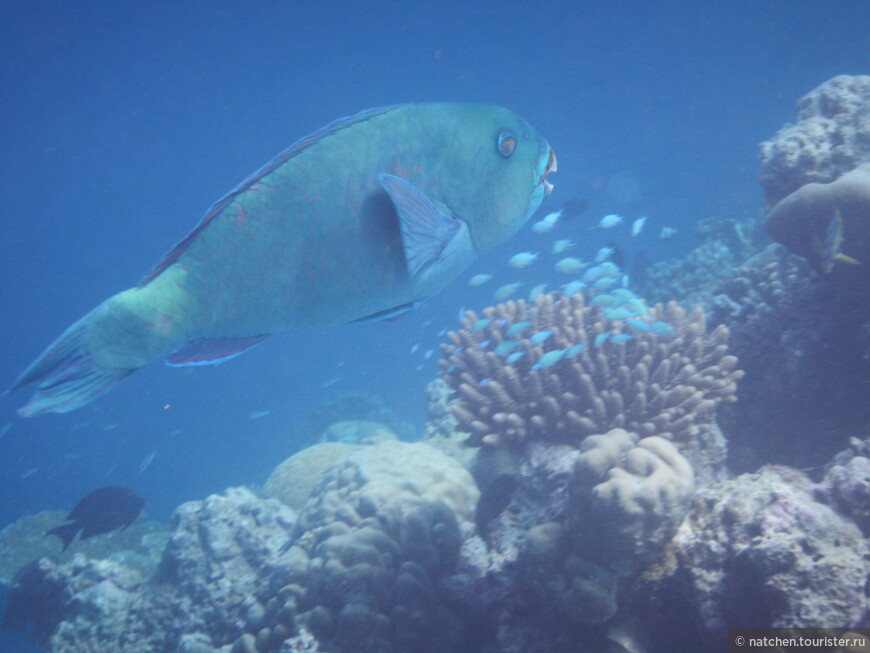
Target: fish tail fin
x: 66, y: 532
x: 104, y: 347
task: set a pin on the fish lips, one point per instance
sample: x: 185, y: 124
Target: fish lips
x: 550, y: 167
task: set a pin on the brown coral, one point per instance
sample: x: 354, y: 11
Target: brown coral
x: 665, y: 383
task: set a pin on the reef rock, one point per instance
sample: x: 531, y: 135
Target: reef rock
x: 830, y: 138
x: 805, y: 352
x: 23, y: 542
x: 761, y: 552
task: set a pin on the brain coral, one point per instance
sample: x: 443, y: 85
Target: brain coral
x: 379, y: 529
x: 578, y: 370
x: 292, y: 481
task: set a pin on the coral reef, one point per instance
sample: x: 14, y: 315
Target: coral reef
x: 138, y: 547
x: 831, y: 137
x: 726, y: 244
x: 806, y: 355
x: 829, y: 226
x: 292, y: 481
x: 348, y: 407
x: 759, y: 551
x: 658, y: 373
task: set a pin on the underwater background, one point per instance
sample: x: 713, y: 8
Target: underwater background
x: 122, y: 122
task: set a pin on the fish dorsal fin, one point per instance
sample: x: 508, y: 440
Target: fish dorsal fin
x: 299, y: 146
x: 210, y: 351
x: 426, y: 231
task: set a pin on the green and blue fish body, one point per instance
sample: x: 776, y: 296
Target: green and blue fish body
x: 360, y: 220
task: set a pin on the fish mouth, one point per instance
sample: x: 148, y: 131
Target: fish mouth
x: 550, y: 167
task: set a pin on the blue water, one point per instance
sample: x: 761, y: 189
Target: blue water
x: 122, y: 122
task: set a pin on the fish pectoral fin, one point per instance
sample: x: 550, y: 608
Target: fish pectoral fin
x: 427, y: 232
x: 389, y: 314
x: 845, y: 258
x: 211, y: 351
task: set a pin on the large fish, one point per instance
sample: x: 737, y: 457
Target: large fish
x: 360, y: 220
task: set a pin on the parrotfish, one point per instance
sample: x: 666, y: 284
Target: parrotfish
x: 359, y: 221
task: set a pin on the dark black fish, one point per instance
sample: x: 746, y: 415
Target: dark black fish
x: 103, y: 510
x: 572, y: 208
x: 618, y: 256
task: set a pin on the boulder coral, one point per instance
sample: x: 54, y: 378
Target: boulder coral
x: 639, y: 491
x: 379, y: 530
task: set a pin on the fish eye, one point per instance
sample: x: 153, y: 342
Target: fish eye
x: 507, y: 143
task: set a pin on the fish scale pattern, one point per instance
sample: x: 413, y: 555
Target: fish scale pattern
x: 665, y: 384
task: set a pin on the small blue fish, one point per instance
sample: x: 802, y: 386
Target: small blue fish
x: 600, y: 339
x: 561, y: 245
x: 593, y: 274
x: 516, y: 327
x: 569, y: 265
x: 573, y: 287
x: 573, y: 350
x: 484, y: 381
x: 537, y: 290
x: 636, y: 325
x: 662, y: 328
x: 505, y: 291
x: 428, y: 354
x: 479, y: 279
x: 513, y: 358
x: 484, y: 343
x: 547, y: 223
x: 620, y: 313
x: 610, y: 221
x: 458, y: 349
x: 604, y: 283
x: 603, y: 300
x: 506, y: 347
x: 540, y: 336
x: 620, y: 337
x: 549, y: 359
x: 480, y: 325
x: 523, y: 259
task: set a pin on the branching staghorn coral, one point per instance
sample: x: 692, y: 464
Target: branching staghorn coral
x: 663, y: 377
